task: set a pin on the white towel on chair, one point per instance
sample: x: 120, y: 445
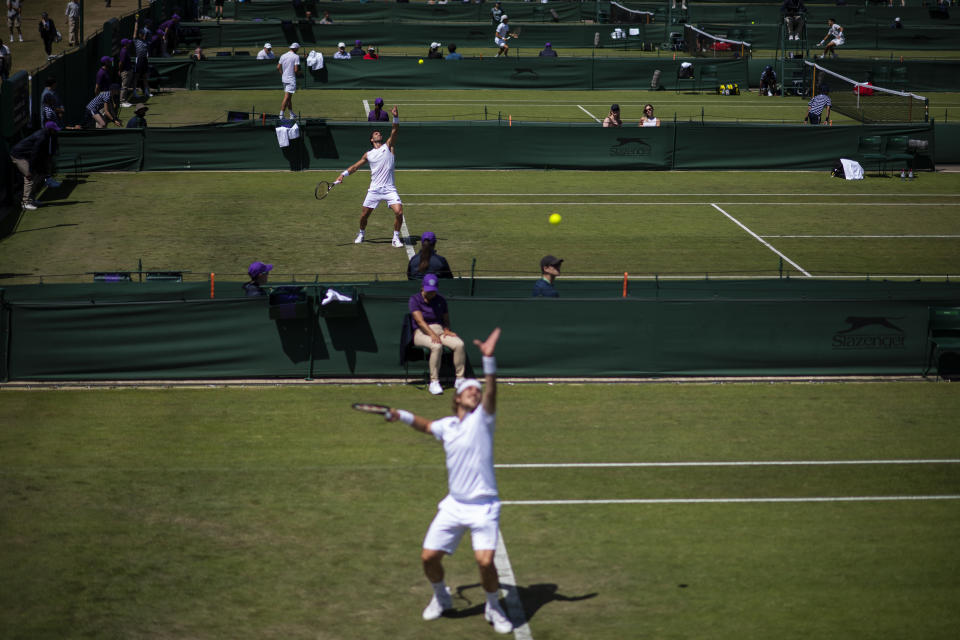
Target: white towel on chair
x: 283, y: 136
x: 315, y: 60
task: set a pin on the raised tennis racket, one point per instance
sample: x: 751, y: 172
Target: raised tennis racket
x: 515, y: 33
x: 322, y: 189
x: 371, y: 408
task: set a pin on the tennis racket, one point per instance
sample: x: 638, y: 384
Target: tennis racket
x: 322, y: 189
x: 371, y: 408
x: 515, y: 33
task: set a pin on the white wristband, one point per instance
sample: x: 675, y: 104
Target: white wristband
x: 396, y: 120
x: 489, y: 365
x: 345, y: 173
x: 404, y: 416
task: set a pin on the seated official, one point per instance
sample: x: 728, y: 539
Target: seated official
x: 548, y: 51
x: 431, y: 319
x: 428, y: 260
x: 549, y: 270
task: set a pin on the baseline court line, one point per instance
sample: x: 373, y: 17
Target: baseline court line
x: 648, y: 203
x: 521, y: 630
x: 732, y: 500
x: 688, y: 193
x: 889, y: 237
x: 762, y: 241
x: 591, y: 115
x: 743, y: 463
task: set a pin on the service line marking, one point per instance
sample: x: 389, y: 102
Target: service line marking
x: 762, y: 241
x: 521, y: 629
x: 590, y: 114
x: 739, y: 463
x: 732, y: 500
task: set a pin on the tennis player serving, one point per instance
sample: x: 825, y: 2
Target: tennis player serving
x: 382, y: 160
x: 472, y: 502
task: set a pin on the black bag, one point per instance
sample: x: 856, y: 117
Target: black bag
x: 838, y: 171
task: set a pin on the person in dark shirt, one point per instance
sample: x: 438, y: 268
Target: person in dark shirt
x: 48, y: 33
x: 453, y: 55
x: 768, y: 81
x: 377, y: 114
x: 434, y: 52
x: 548, y: 51
x: 33, y: 157
x: 139, y: 120
x: 549, y: 270
x: 357, y: 51
x: 104, y: 75
x: 428, y: 260
x: 431, y: 322
x: 258, y: 272
x: 793, y: 12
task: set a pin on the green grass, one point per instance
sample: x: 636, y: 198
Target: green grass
x: 612, y: 222
x: 278, y: 513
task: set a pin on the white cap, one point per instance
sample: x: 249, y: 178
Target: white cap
x: 267, y: 45
x: 503, y: 17
x: 341, y: 45
x: 294, y: 45
x: 466, y: 384
x: 435, y: 45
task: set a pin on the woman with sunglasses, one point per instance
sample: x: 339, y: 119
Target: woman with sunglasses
x: 648, y: 119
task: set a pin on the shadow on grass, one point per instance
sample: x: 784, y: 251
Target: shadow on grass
x: 53, y: 226
x: 532, y: 598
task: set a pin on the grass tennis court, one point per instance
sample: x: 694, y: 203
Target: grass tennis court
x: 691, y: 224
x: 279, y: 513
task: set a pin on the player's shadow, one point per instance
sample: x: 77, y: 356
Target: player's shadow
x: 369, y: 240
x: 532, y: 598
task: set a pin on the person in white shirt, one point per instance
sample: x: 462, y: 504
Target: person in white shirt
x: 341, y: 53
x: 472, y: 502
x: 648, y: 119
x: 73, y: 23
x: 289, y: 67
x: 834, y: 39
x: 382, y: 160
x: 266, y: 53
x: 502, y: 35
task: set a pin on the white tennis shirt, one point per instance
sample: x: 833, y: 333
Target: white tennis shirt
x: 381, y: 162
x: 288, y: 63
x: 468, y: 444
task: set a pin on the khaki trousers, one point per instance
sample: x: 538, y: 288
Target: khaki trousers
x: 436, y: 350
x: 24, y: 167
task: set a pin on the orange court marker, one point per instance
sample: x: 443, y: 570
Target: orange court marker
x: 625, y: 274
x: 510, y: 118
x: 211, y: 285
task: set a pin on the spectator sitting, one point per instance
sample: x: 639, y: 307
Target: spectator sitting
x: 266, y: 53
x: 548, y: 51
x: 453, y: 55
x: 341, y: 53
x: 897, y: 24
x: 357, y: 51
x: 613, y: 118
x: 198, y: 54
x: 549, y: 270
x: 428, y: 260
x: 434, y: 52
x: 258, y: 272
x: 371, y: 53
x: 377, y: 114
x: 648, y: 119
x: 326, y: 19
x: 768, y: 81
x: 139, y: 120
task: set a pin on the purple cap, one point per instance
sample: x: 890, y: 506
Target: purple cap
x: 50, y: 124
x: 358, y: 43
x: 106, y: 60
x: 378, y: 101
x: 430, y: 282
x: 428, y: 236
x: 126, y: 41
x: 546, y: 46
x: 257, y: 268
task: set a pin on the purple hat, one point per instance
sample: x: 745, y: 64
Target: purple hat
x: 126, y: 41
x: 428, y: 236
x: 378, y: 101
x: 50, y: 124
x: 546, y: 46
x: 358, y: 43
x: 430, y: 282
x: 257, y: 268
x: 106, y: 60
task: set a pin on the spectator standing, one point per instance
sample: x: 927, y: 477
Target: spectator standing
x: 341, y: 53
x: 33, y: 157
x: 13, y: 18
x: 72, y: 14
x: 453, y: 55
x: 613, y: 118
x: 258, y: 272
x: 371, y: 53
x: 125, y: 65
x: 431, y: 321
x: 434, y: 52
x: 139, y: 119
x: 816, y: 107
x: 378, y: 114
x: 6, y: 60
x: 326, y: 19
x: 496, y: 13
x: 548, y: 51
x: 218, y: 9
x: 289, y: 67
x: 357, y: 51
x: 428, y: 260
x: 48, y: 33
x: 549, y: 270
x: 266, y: 53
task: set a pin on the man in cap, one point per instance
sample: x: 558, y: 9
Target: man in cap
x: 357, y: 51
x: 33, y: 157
x: 258, y: 273
x: 472, y: 502
x: 341, y: 53
x: 548, y: 51
x: 377, y: 114
x: 289, y: 67
x: 139, y: 120
x: 371, y: 53
x: 549, y: 270
x: 382, y: 188
x: 503, y: 34
x: 266, y: 53
x: 434, y: 51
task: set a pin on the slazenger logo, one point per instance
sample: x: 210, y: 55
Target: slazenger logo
x: 524, y: 74
x: 630, y: 147
x: 865, y: 333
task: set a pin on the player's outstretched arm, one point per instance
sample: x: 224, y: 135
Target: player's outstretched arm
x: 419, y: 423
x: 351, y: 169
x: 487, y: 348
x: 392, y: 140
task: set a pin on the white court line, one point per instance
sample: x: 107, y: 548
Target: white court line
x: 366, y: 109
x: 744, y: 463
x: 590, y: 114
x: 868, y: 237
x: 521, y: 630
x: 762, y: 241
x: 688, y: 193
x: 732, y: 500
x: 647, y: 203
x: 405, y: 236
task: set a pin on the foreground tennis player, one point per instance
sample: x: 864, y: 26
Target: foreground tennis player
x: 382, y: 187
x: 472, y: 502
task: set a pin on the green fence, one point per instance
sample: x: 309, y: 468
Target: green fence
x: 919, y: 38
x: 453, y: 11
x: 737, y: 328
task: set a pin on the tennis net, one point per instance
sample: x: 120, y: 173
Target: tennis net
x: 620, y: 14
x: 865, y: 102
x: 701, y: 43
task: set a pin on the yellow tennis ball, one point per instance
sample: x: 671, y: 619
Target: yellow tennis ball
x: 420, y: 61
x: 555, y: 218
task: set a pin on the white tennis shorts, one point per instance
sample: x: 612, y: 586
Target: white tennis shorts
x: 290, y: 87
x: 376, y: 196
x: 837, y: 41
x: 499, y: 42
x: 454, y: 518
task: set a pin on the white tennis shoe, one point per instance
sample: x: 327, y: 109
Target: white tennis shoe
x: 438, y: 605
x: 397, y: 242
x: 435, y: 388
x: 359, y: 238
x: 496, y: 617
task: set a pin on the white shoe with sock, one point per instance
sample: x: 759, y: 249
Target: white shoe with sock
x: 440, y: 602
x: 359, y: 238
x: 396, y: 240
x: 495, y: 616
